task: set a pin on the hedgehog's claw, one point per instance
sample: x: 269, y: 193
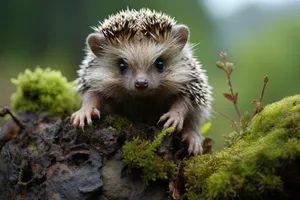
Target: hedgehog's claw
x: 194, y: 141
x: 85, y: 113
x: 76, y: 120
x: 96, y: 112
x: 173, y: 119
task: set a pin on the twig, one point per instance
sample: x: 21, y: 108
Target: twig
x: 229, y: 118
x: 266, y: 79
x: 5, y: 110
x: 223, y: 56
x: 258, y: 103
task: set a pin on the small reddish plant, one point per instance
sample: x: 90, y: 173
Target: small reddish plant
x: 232, y: 96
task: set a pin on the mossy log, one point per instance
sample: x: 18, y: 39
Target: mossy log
x: 263, y: 162
x: 44, y: 157
x: 47, y: 158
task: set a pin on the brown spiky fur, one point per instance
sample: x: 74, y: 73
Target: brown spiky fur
x: 181, y: 90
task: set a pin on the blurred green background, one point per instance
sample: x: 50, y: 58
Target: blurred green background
x: 260, y: 37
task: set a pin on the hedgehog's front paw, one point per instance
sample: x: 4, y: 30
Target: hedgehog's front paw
x: 174, y: 119
x: 85, y: 113
x: 194, y: 141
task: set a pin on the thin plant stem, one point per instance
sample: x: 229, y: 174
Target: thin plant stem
x: 230, y: 87
x: 6, y: 110
x: 229, y: 118
x: 262, y: 92
x: 261, y: 96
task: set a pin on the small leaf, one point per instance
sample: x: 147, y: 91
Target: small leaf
x: 253, y: 101
x: 220, y: 65
x: 205, y: 128
x: 230, y: 67
x: 266, y: 79
x: 223, y: 55
x: 228, y: 96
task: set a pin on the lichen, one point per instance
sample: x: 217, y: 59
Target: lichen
x: 117, y: 122
x: 141, y: 154
x: 44, y: 90
x: 253, y: 167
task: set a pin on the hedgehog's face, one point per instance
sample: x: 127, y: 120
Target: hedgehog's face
x: 143, y: 66
x: 141, y: 77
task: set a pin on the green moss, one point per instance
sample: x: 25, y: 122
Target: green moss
x: 44, y: 90
x: 117, y: 122
x: 141, y: 154
x: 275, y: 115
x: 20, y: 177
x: 252, y: 167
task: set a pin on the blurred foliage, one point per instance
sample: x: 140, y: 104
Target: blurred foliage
x: 52, y: 34
x: 270, y: 49
x: 204, y: 128
x: 274, y: 51
x: 44, y: 91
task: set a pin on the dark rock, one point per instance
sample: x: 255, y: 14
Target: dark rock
x: 73, y: 182
x: 121, y: 184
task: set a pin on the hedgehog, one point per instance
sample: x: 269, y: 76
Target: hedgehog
x: 140, y: 64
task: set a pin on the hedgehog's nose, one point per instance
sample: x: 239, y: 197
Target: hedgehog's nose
x: 141, y: 83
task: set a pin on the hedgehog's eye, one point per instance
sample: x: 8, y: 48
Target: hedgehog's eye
x: 123, y: 66
x: 159, y: 65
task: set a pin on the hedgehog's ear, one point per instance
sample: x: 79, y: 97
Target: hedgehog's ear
x: 181, y: 33
x: 97, y: 43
